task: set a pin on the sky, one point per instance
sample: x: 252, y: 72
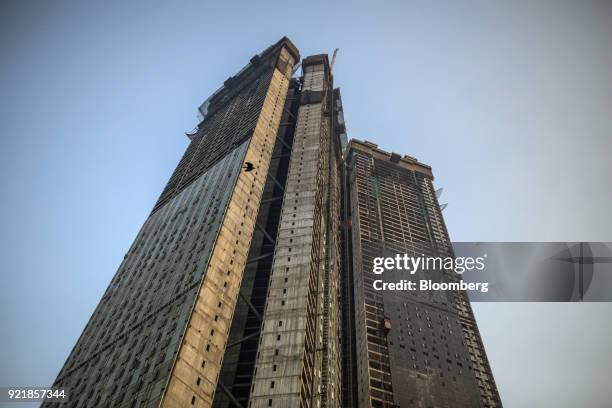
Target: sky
x: 509, y: 102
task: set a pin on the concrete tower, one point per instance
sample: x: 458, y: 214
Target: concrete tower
x: 412, y: 349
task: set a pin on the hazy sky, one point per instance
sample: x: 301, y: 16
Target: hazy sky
x: 509, y: 102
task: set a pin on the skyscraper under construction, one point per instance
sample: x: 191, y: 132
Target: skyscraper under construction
x: 411, y: 349
x: 248, y: 284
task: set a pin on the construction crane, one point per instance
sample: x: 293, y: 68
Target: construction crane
x: 331, y: 66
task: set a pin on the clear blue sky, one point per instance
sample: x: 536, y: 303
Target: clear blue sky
x: 510, y: 102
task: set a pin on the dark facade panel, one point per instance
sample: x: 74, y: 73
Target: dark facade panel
x: 129, y: 344
x: 219, y: 134
x: 231, y: 116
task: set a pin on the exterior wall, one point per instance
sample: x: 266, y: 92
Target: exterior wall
x: 128, y: 346
x: 431, y: 356
x: 361, y: 342
x: 298, y: 358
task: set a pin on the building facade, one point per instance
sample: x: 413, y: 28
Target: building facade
x: 412, y: 349
x: 249, y: 285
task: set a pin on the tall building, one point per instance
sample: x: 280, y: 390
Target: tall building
x: 247, y: 286
x: 411, y: 349
x: 159, y: 333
